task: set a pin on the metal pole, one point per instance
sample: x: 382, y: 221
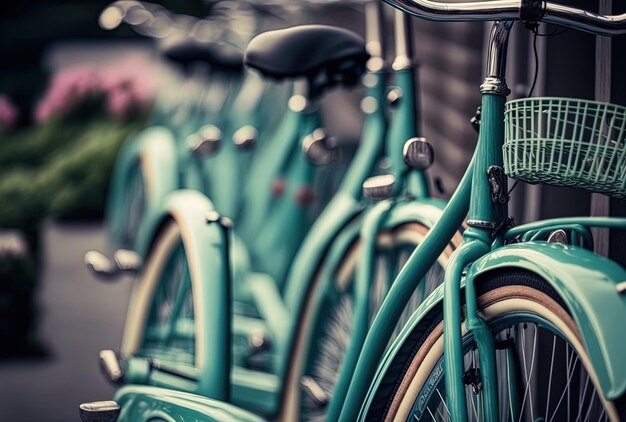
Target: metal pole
x: 600, y: 204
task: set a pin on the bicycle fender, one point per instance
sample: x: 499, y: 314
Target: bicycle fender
x: 587, y: 284
x: 597, y: 307
x: 424, y: 211
x: 155, y: 150
x: 142, y: 403
x: 205, y: 240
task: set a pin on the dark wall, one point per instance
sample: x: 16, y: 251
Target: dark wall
x: 450, y: 70
x: 570, y: 72
x: 618, y: 95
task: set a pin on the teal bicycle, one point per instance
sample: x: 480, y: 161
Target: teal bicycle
x: 213, y: 109
x: 180, y: 305
x: 523, y: 327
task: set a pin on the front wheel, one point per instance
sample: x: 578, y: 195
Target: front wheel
x: 543, y: 370
x: 327, y: 327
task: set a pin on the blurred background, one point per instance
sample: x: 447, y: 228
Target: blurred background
x: 76, y: 82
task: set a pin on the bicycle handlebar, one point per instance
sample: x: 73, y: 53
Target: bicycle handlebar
x: 515, y: 10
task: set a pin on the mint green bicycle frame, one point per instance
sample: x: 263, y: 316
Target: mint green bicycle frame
x: 596, y: 304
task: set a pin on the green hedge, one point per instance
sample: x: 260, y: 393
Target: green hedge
x: 58, y: 170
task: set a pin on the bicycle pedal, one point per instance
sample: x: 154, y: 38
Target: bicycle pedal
x: 110, y: 366
x: 99, y: 411
x: 100, y: 265
x: 127, y: 260
x: 206, y: 142
x: 245, y: 137
x: 379, y: 187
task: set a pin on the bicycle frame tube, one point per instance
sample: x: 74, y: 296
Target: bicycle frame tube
x: 269, y: 164
x: 555, y: 223
x: 372, y: 223
x: 404, y: 124
x: 420, y: 261
x: 370, y: 147
x: 343, y: 208
x: 286, y: 221
x: 345, y: 203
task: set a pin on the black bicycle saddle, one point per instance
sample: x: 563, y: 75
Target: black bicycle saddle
x: 308, y: 51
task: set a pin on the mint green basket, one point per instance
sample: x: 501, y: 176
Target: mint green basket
x: 566, y: 142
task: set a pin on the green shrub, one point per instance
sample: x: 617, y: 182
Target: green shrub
x: 58, y: 170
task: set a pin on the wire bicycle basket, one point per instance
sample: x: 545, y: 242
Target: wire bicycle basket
x: 566, y: 142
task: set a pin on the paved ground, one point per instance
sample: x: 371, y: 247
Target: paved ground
x: 79, y: 316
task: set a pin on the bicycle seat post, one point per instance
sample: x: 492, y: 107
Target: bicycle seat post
x: 404, y: 101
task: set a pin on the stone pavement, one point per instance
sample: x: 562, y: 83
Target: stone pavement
x: 78, y: 317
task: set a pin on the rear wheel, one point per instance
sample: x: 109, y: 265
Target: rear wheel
x: 543, y: 370
x: 135, y: 205
x: 127, y: 204
x: 160, y: 322
x: 327, y: 325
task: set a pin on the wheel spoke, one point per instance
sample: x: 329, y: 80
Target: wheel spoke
x: 443, y: 402
x: 593, y: 396
x: 566, y: 390
x: 508, y: 369
x: 181, y: 296
x: 582, y: 398
x: 550, y: 376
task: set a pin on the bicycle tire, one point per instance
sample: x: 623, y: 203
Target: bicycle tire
x: 334, y: 314
x: 164, y: 273
x: 135, y: 198
x: 513, y: 300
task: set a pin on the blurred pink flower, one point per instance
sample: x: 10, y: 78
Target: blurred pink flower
x: 8, y: 113
x: 122, y: 92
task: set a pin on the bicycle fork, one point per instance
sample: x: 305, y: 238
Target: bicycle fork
x: 474, y: 246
